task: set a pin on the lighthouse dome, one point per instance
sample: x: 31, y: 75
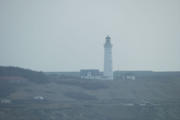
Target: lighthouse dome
x: 108, y: 42
x: 108, y: 38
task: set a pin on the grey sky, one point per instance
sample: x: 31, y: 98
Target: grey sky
x: 68, y: 35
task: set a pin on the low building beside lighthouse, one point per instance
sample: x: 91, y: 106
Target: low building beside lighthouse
x: 90, y: 74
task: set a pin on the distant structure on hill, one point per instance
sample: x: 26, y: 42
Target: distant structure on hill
x: 108, y: 72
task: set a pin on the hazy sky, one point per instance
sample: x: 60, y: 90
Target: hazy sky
x: 68, y: 35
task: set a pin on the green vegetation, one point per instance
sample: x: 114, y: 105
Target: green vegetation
x: 34, y: 76
x: 9, y: 76
x: 151, y: 96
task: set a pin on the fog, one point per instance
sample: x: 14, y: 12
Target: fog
x: 68, y: 35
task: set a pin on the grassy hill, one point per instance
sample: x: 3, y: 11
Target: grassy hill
x: 67, y: 98
x: 13, y: 77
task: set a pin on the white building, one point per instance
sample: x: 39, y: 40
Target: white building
x: 108, y: 72
x: 41, y: 98
x: 90, y: 74
x: 5, y: 101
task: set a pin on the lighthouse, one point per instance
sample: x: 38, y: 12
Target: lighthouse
x: 108, y: 72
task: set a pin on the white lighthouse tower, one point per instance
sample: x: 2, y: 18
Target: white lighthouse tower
x: 108, y: 72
